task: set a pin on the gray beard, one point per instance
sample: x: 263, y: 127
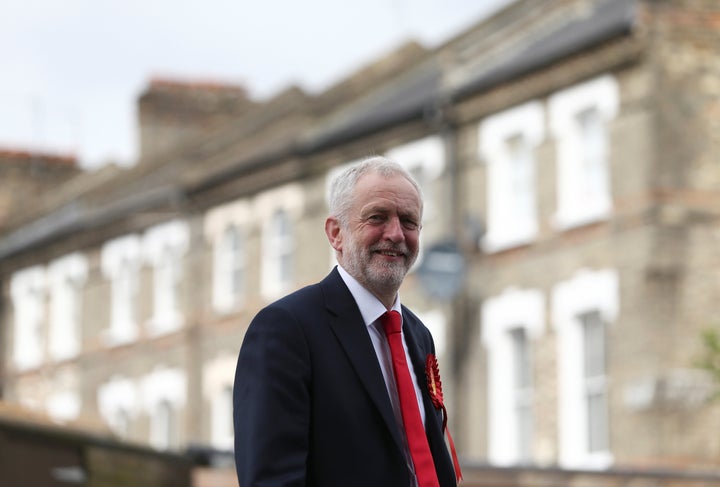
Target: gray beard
x: 380, y: 278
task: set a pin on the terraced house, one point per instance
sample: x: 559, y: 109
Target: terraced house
x: 569, y: 153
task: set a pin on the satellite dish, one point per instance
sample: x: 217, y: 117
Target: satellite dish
x: 442, y: 270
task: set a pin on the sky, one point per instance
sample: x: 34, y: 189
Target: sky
x: 71, y: 70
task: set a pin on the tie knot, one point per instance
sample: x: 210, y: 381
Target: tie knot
x: 391, y: 322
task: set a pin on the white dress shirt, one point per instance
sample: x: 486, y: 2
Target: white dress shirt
x: 371, y: 310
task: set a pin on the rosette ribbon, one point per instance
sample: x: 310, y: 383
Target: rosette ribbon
x: 432, y: 371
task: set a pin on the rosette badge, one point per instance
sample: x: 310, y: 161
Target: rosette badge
x: 432, y: 372
x: 435, y: 385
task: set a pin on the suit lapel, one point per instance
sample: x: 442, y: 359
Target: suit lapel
x: 418, y: 356
x: 348, y: 326
x: 419, y: 347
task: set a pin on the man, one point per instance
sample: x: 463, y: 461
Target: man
x: 316, y: 397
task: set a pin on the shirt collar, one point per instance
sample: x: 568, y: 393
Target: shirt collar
x: 370, y: 307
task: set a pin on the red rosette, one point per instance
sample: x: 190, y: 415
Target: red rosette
x: 432, y: 371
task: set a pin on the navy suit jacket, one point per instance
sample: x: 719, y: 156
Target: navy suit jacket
x: 310, y: 403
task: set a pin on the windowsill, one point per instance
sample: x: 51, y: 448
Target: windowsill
x: 591, y: 461
x: 113, y: 338
x: 164, y: 325
x: 564, y: 221
x: 28, y: 367
x: 493, y: 244
x: 65, y: 357
x: 229, y: 309
x: 276, y: 292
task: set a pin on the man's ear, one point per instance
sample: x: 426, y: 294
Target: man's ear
x: 334, y: 235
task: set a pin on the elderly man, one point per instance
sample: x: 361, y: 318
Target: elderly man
x: 331, y: 387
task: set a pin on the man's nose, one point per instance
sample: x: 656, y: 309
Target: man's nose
x: 394, y: 230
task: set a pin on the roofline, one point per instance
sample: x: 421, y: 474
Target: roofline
x: 579, y: 36
x: 583, y: 34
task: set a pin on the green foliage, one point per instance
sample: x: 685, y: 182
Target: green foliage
x: 710, y: 358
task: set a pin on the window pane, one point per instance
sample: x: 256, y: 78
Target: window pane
x: 227, y: 398
x: 520, y: 177
x: 283, y: 246
x: 594, y: 352
x: 236, y: 261
x: 593, y: 164
x: 125, y: 299
x: 594, y: 344
x: 166, y: 425
x: 523, y: 391
x: 122, y: 423
x: 521, y: 357
x: 598, y: 422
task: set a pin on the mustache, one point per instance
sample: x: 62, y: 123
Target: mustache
x: 399, y: 249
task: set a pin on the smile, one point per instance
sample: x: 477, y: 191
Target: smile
x: 391, y: 253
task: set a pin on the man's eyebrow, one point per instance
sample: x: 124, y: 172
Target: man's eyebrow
x: 375, y: 209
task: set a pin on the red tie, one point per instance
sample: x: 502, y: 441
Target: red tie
x: 414, y: 429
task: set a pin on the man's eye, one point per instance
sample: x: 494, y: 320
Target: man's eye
x: 376, y: 218
x: 410, y: 224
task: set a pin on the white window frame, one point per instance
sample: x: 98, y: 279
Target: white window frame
x: 218, y: 376
x: 512, y: 309
x: 28, y: 288
x: 164, y: 386
x: 164, y: 247
x: 119, y: 404
x: 425, y: 159
x: 218, y: 221
x: 587, y: 291
x: 511, y: 211
x: 436, y: 321
x: 291, y: 200
x: 584, y: 192
x: 64, y: 406
x: 120, y: 263
x: 164, y: 426
x: 66, y: 277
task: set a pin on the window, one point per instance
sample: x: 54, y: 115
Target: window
x: 507, y: 143
x: 64, y: 406
x: 121, y: 423
x: 121, y: 265
x: 579, y: 117
x: 595, y: 382
x: 28, y: 296
x: 511, y: 322
x: 167, y: 286
x: 164, y: 247
x: 67, y: 277
x: 522, y: 391
x: 280, y: 243
x: 218, y: 376
x: 223, y: 430
x: 231, y: 268
x: 118, y: 402
x: 164, y: 426
x: 164, y: 395
x: 425, y: 160
x: 226, y: 228
x: 279, y: 209
x: 583, y: 309
x: 436, y: 321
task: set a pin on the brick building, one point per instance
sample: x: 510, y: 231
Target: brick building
x: 568, y: 148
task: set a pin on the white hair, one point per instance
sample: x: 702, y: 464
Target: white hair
x: 343, y: 185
